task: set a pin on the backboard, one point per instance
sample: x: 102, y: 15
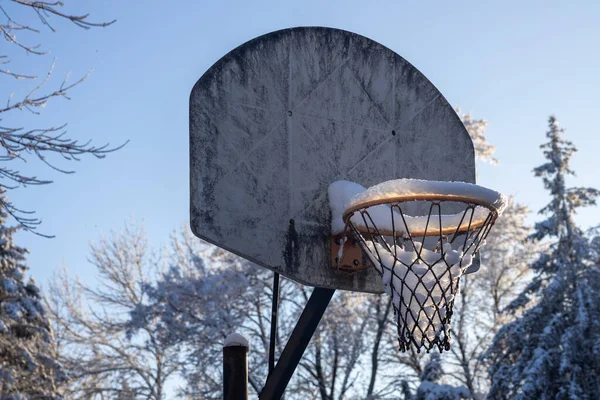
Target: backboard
x: 279, y: 118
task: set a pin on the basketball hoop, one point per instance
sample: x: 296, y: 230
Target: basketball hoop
x: 421, y: 237
x: 279, y: 118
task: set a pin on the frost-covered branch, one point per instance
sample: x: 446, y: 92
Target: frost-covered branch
x: 107, y: 343
x: 476, y: 129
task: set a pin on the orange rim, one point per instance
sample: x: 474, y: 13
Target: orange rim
x: 465, y: 225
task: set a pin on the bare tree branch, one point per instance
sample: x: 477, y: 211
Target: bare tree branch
x: 20, y: 142
x: 44, y: 8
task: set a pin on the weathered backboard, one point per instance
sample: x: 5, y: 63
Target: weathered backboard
x: 279, y: 118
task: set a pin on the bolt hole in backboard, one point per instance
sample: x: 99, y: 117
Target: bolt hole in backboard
x: 292, y: 166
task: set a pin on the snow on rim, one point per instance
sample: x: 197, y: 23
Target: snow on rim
x: 408, y: 187
x: 345, y: 194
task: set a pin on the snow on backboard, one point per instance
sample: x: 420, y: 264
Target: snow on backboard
x: 279, y: 118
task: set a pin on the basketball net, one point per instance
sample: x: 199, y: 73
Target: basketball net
x: 421, y: 268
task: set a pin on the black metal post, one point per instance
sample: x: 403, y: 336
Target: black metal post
x: 235, y: 372
x: 294, y: 349
x: 274, y: 311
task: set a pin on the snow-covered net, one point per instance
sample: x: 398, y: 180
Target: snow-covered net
x: 421, y: 259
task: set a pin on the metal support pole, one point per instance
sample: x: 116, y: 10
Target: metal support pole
x: 294, y: 349
x: 274, y: 310
x: 235, y: 372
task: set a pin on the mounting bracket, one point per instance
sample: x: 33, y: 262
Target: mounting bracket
x: 352, y: 256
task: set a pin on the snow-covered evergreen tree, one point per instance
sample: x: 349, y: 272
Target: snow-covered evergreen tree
x: 28, y: 366
x: 552, y: 350
x: 432, y: 389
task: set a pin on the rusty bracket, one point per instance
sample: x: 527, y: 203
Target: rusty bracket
x: 352, y: 257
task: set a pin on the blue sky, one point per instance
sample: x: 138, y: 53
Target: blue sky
x: 511, y: 62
